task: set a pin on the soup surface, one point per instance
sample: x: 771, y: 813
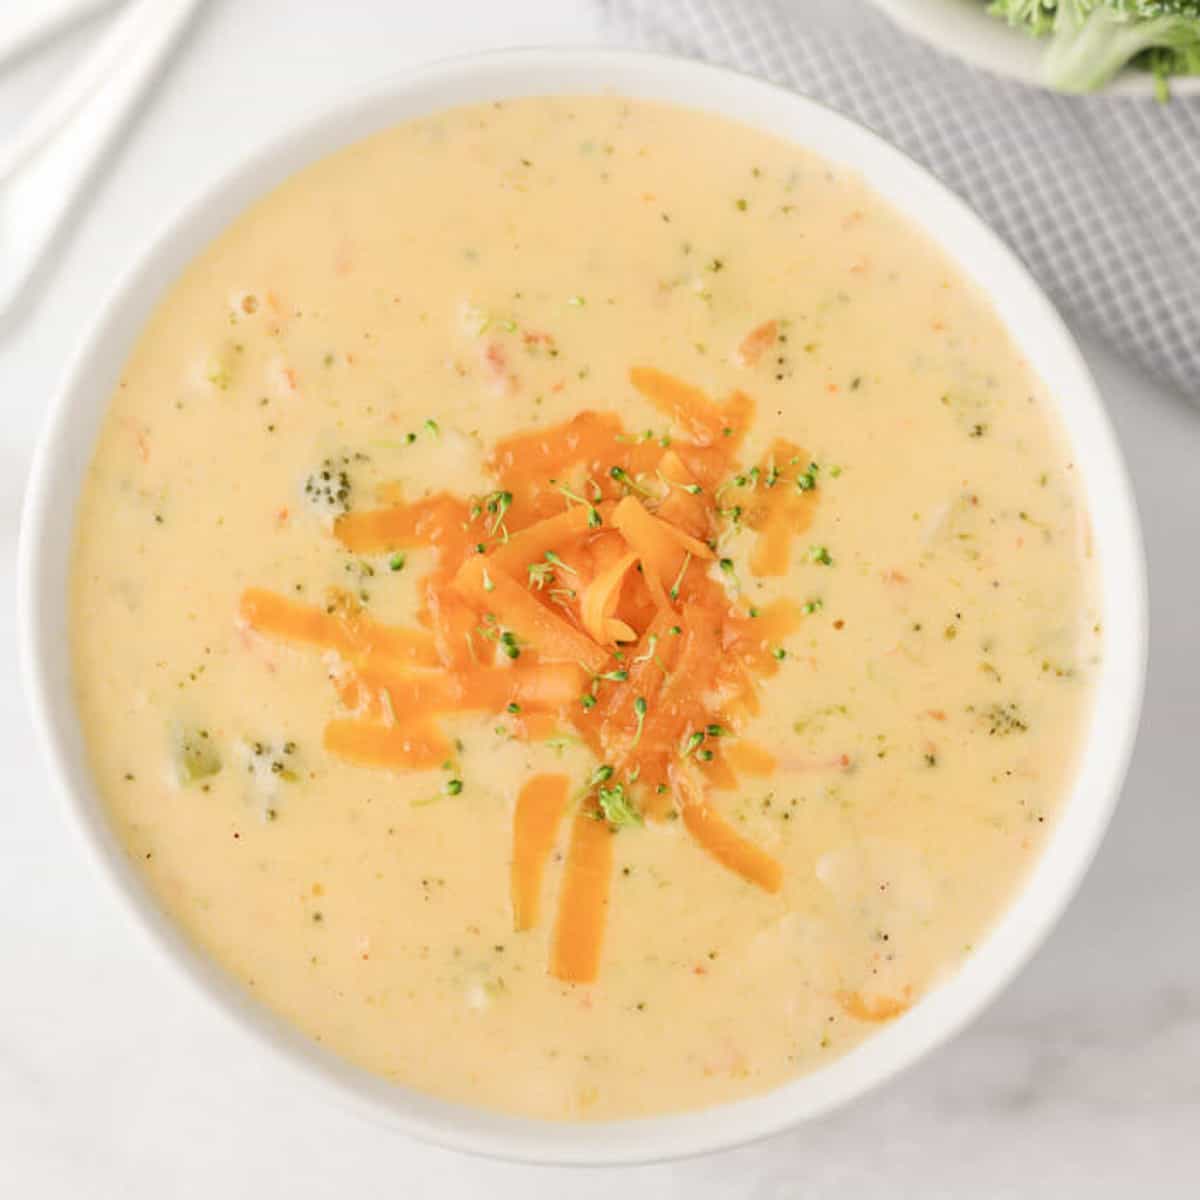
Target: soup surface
x: 580, y: 608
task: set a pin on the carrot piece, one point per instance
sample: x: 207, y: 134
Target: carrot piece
x: 418, y: 744
x: 410, y: 697
x: 537, y: 726
x: 649, y: 662
x: 618, y: 631
x: 730, y: 849
x: 543, y: 452
x: 756, y: 343
x: 679, y: 707
x: 482, y: 689
x: 517, y: 609
x: 583, y: 900
x: 659, y: 545
x: 684, y: 509
x: 631, y: 514
x: 453, y: 623
x: 540, y: 806
x: 531, y: 543
x: 438, y: 520
x: 268, y: 612
x: 769, y: 558
x: 349, y: 633
x: 687, y: 406
x: 718, y: 773
x: 721, y: 840
x: 779, y: 512
x: 873, y: 1008
x: 739, y: 413
x: 539, y: 685
x: 749, y: 758
x: 599, y: 602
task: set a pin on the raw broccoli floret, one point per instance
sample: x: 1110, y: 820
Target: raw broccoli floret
x: 1091, y: 40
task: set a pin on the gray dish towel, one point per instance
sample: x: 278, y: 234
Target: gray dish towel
x: 1100, y: 196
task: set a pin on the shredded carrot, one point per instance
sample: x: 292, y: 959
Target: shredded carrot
x: 530, y: 589
x: 873, y: 1008
x: 437, y: 521
x: 757, y: 342
x: 545, y: 686
x: 348, y: 631
x: 516, y: 609
x: 749, y: 758
x: 685, y: 509
x: 655, y: 542
x: 688, y: 406
x: 531, y: 543
x: 730, y: 849
x: 780, y: 511
x: 454, y: 627
x: 417, y: 745
x: 583, y: 900
x: 540, y: 807
x: 600, y: 602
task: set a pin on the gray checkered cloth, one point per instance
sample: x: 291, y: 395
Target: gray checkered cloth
x: 1100, y: 196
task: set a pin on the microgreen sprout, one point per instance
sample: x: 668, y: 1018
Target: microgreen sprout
x: 602, y: 774
x: 594, y: 519
x: 553, y: 558
x: 651, y: 642
x: 622, y: 476
x: 540, y: 574
x: 497, y: 504
x: 687, y: 558
x: 639, y: 711
x: 617, y: 806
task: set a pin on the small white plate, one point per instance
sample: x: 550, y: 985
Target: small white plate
x: 963, y: 29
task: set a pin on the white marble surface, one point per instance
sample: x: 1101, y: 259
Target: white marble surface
x: 117, y: 1081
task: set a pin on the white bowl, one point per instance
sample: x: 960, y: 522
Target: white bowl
x: 964, y: 29
x: 79, y: 409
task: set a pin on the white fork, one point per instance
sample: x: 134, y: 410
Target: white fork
x: 46, y: 166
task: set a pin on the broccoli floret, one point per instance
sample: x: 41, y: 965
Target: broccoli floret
x: 1091, y: 40
x: 194, y: 757
x: 327, y: 489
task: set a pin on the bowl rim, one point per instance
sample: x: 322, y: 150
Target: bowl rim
x: 964, y: 30
x: 81, y: 400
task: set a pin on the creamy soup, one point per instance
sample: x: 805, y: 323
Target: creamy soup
x: 581, y: 609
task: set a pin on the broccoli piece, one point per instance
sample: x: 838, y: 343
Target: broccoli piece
x: 1090, y: 41
x: 194, y: 757
x: 327, y: 489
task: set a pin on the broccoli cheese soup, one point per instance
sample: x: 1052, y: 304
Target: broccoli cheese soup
x: 581, y: 609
